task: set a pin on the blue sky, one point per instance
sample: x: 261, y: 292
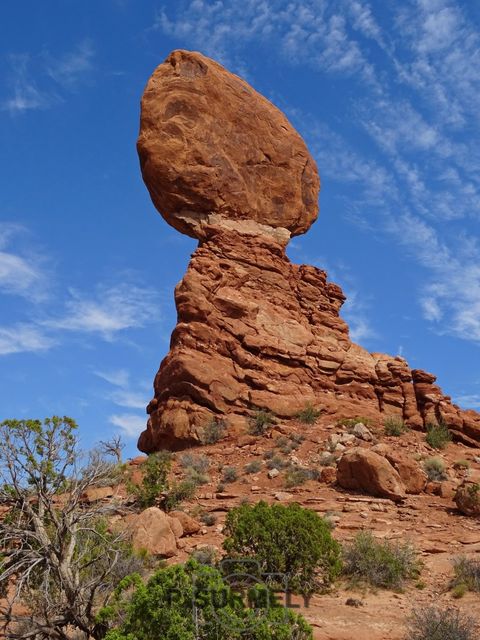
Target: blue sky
x: 386, y: 95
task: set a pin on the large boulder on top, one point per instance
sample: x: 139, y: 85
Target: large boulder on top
x: 213, y: 149
x: 363, y: 470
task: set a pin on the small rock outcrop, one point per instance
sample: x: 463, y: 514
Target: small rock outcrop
x: 222, y: 164
x: 366, y: 471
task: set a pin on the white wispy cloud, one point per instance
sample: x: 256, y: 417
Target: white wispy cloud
x: 107, y: 311
x: 40, y: 81
x: 117, y: 377
x: 22, y: 272
x: 468, y: 401
x: 70, y: 68
x: 130, y: 424
x: 22, y: 338
x: 126, y: 394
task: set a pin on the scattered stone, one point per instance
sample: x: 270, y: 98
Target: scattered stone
x: 354, y: 602
x: 281, y: 496
x: 363, y: 470
x: 362, y: 432
x: 328, y: 475
x: 189, y: 524
x: 273, y: 473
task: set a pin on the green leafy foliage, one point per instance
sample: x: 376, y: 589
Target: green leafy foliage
x: 191, y: 601
x: 287, y: 540
x: 155, y: 479
x: 438, y: 435
x: 432, y: 623
x: 379, y: 563
x: 260, y: 422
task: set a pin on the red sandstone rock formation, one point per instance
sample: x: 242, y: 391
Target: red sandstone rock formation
x: 254, y: 330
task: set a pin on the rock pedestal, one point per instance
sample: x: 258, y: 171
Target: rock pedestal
x: 254, y: 330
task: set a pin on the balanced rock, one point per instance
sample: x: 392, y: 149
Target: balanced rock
x: 224, y: 165
x: 212, y: 149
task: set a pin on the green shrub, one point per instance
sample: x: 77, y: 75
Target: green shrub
x: 466, y: 573
x: 205, y: 555
x: 155, y: 479
x: 435, y: 469
x: 179, y: 492
x: 309, y: 415
x: 394, y: 426
x: 191, y: 601
x: 253, y: 467
x: 260, y: 422
x: 461, y: 464
x: 438, y: 435
x: 287, y: 540
x: 432, y: 623
x: 195, y: 468
x: 230, y: 474
x: 379, y: 563
x: 214, y: 431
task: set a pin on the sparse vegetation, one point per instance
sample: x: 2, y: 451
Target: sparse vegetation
x: 466, y: 574
x: 261, y: 422
x: 208, y: 519
x: 435, y: 469
x: 178, y: 493
x: 349, y: 423
x: 296, y: 476
x: 461, y: 464
x: 230, y: 474
x: 379, y: 563
x: 253, y: 467
x: 438, y: 435
x: 195, y: 468
x: 309, y: 415
x: 205, y: 555
x: 394, y: 426
x: 287, y: 540
x: 155, y: 480
x: 432, y: 623
x: 214, y: 431
x: 60, y: 560
x: 193, y: 601
x: 277, y: 462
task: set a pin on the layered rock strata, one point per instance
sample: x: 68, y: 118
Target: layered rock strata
x: 222, y: 164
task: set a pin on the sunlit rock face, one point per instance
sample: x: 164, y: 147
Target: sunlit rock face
x: 224, y: 165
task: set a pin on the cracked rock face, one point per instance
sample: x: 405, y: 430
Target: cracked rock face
x: 212, y: 149
x: 254, y: 330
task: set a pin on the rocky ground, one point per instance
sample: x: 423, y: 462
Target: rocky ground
x: 428, y: 518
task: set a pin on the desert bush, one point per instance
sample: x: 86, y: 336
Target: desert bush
x: 178, y: 493
x: 438, y: 435
x: 466, y: 573
x: 289, y: 541
x: 432, y: 623
x: 296, y: 476
x: 435, y: 469
x: 205, y: 555
x: 461, y: 464
x: 195, y: 468
x: 349, y: 423
x: 230, y: 474
x: 309, y: 415
x: 260, y: 422
x: 379, y: 563
x: 253, y: 467
x: 220, y: 487
x: 193, y: 601
x: 60, y: 561
x: 394, y: 426
x: 155, y: 470
x: 214, y: 431
x: 208, y: 519
x: 277, y: 462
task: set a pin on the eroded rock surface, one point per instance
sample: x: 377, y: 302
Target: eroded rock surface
x: 254, y: 330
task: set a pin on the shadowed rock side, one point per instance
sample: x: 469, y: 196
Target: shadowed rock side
x: 253, y: 329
